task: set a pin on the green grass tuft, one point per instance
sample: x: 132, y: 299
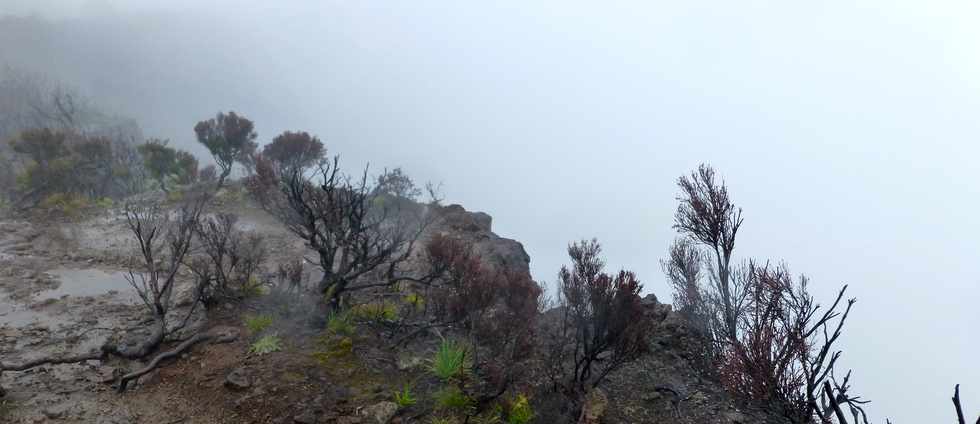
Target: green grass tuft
x: 415, y: 300
x: 404, y: 398
x: 451, y: 361
x: 252, y: 288
x: 451, y: 398
x: 374, y: 312
x: 267, y: 344
x: 520, y: 411
x: 257, y: 323
x: 340, y: 323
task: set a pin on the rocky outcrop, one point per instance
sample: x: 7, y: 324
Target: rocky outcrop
x: 668, y: 385
x: 476, y: 227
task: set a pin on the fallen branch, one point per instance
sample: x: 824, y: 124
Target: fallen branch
x: 213, y: 337
x: 418, y: 331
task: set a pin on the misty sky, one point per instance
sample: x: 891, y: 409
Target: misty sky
x: 847, y: 131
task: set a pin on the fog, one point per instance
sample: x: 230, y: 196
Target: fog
x: 847, y: 132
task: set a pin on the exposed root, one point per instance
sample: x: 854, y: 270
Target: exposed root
x: 48, y: 360
x: 213, y: 337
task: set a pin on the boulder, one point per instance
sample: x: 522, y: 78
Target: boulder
x: 238, y: 380
x: 380, y: 413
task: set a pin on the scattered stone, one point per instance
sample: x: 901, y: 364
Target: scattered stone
x: 698, y: 398
x: 380, y: 413
x: 409, y: 362
x: 56, y: 411
x: 238, y: 380
x: 306, y: 417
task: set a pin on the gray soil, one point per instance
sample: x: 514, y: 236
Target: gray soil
x: 63, y: 290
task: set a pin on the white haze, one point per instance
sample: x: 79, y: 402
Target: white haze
x: 847, y: 131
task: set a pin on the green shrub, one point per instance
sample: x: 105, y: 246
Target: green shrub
x: 404, y: 398
x: 257, y: 323
x: 104, y: 203
x: 451, y: 398
x: 69, y: 205
x: 252, y: 288
x: 374, y: 312
x: 451, y: 361
x: 267, y: 344
x: 340, y: 323
x: 520, y: 411
x: 333, y: 348
x: 6, y: 408
x: 415, y: 300
x: 490, y: 416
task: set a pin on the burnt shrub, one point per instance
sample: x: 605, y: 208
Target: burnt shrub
x: 497, y: 308
x: 602, y: 325
x: 232, y: 258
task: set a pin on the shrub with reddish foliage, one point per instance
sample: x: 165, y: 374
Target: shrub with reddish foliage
x: 601, y: 316
x: 497, y: 307
x: 295, y: 150
x: 784, y: 355
x: 230, y: 138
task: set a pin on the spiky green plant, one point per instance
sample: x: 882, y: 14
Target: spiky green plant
x: 257, y: 323
x: 404, y: 398
x: 266, y: 344
x: 520, y: 411
x: 415, y: 300
x: 252, y: 288
x: 451, y: 360
x: 374, y: 312
x: 451, y: 398
x: 340, y: 323
x: 490, y: 416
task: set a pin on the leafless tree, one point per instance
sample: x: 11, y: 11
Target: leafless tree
x: 707, y: 217
x: 351, y: 229
x: 231, y: 257
x: 290, y: 276
x: 163, y: 240
x: 959, y: 407
x: 784, y: 353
